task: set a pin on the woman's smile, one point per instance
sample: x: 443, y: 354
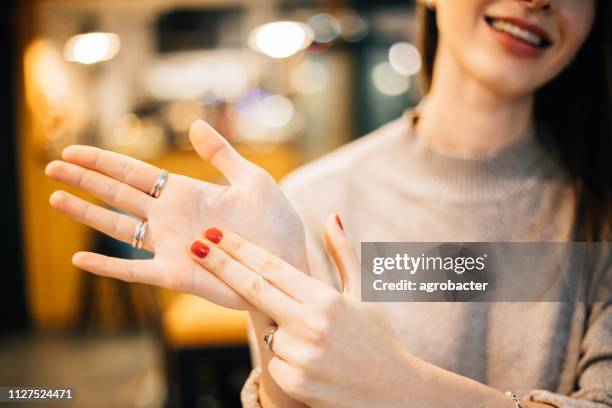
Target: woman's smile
x: 512, y: 47
x: 519, y: 37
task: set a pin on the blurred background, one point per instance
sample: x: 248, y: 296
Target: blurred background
x: 285, y: 81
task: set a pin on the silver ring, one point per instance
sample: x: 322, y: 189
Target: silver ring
x: 514, y: 398
x: 268, y: 339
x: 159, y: 185
x: 139, y: 235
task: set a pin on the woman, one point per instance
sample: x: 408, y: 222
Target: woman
x: 510, y: 144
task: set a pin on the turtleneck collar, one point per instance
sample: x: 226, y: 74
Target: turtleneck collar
x: 478, y: 176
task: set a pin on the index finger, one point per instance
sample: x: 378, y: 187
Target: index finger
x: 281, y: 274
x: 136, y: 173
x: 252, y: 287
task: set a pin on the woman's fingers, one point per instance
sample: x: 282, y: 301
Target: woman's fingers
x: 129, y: 270
x: 112, y: 191
x: 113, y: 224
x: 340, y: 249
x: 248, y: 284
x: 276, y: 271
x: 213, y: 148
x: 284, y: 345
x: 134, y: 172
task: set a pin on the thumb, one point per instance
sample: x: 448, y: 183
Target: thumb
x: 213, y: 148
x: 340, y: 249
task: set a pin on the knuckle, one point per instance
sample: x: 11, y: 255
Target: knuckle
x: 115, y: 226
x: 83, y: 213
x: 128, y: 169
x: 310, y: 358
x: 219, y: 263
x: 317, y: 329
x: 81, y: 176
x: 329, y: 303
x: 255, y: 288
x: 220, y: 148
x: 234, y: 243
x: 270, y: 263
x: 97, y: 159
x: 113, y: 191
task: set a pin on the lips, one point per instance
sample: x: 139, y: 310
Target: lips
x: 521, y: 31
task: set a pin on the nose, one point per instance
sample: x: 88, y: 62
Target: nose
x: 538, y: 4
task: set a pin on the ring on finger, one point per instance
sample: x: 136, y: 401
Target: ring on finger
x: 159, y: 185
x: 268, y: 339
x: 139, y: 235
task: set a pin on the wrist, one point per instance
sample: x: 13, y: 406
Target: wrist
x: 435, y: 387
x: 408, y: 378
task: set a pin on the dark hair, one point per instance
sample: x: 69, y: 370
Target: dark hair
x: 573, y: 115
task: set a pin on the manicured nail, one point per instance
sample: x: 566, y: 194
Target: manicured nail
x: 339, y: 222
x: 213, y: 234
x: 199, y: 249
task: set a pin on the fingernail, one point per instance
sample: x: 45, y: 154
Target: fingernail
x: 199, y: 249
x: 214, y: 234
x: 339, y: 222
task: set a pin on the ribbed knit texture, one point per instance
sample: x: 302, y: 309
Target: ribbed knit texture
x: 392, y: 185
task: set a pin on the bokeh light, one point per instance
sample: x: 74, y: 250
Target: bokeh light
x: 275, y: 111
x: 405, y: 58
x: 92, y: 47
x: 280, y: 39
x: 353, y: 27
x: 387, y: 81
x: 49, y: 72
x: 326, y: 27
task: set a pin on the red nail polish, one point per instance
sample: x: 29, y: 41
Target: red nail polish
x: 339, y: 222
x: 213, y: 234
x: 199, y: 249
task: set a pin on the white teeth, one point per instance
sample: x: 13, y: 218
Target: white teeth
x: 517, y: 32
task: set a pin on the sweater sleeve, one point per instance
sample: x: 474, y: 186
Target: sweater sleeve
x: 594, y: 381
x: 249, y: 396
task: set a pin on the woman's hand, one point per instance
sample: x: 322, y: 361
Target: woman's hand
x: 252, y: 205
x: 330, y: 349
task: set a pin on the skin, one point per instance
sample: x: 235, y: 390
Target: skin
x: 481, y: 100
x: 252, y: 204
x: 315, y: 323
x: 185, y: 207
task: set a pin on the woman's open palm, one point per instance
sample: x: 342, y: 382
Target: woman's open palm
x: 251, y: 205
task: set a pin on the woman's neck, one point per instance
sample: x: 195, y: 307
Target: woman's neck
x: 461, y: 114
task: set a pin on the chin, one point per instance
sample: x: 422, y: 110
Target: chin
x: 505, y: 75
x: 508, y: 82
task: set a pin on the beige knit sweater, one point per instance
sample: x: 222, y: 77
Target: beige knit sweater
x: 393, y: 186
